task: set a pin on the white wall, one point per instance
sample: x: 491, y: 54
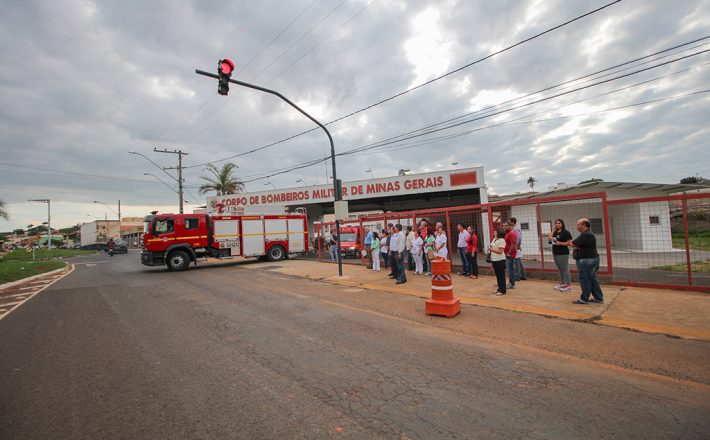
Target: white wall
x: 527, y: 214
x: 625, y: 222
x: 657, y: 237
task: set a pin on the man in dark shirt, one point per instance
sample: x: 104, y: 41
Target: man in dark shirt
x: 587, y: 259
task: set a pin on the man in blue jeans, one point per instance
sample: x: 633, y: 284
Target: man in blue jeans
x: 461, y: 245
x: 511, y: 251
x: 587, y: 258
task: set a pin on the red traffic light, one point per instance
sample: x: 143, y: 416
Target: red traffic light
x: 226, y: 66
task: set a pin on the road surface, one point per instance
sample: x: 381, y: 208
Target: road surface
x: 118, y: 350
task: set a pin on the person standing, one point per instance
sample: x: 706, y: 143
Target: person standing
x: 408, y: 245
x: 472, y: 253
x: 375, y: 251
x: 519, y: 269
x: 392, y: 245
x: 429, y: 248
x: 367, y: 243
x: 418, y: 253
x: 560, y: 238
x: 511, y: 251
x: 587, y: 259
x: 461, y: 245
x: 384, y: 249
x: 424, y: 233
x: 496, y: 251
x: 333, y: 248
x: 398, y: 245
x: 440, y: 244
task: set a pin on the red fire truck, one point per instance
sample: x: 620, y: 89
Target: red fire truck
x: 178, y: 239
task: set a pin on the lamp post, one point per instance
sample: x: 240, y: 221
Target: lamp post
x: 225, y: 69
x: 301, y: 181
x: 370, y: 171
x: 49, y: 219
x: 456, y: 164
x: 179, y: 181
x: 269, y: 183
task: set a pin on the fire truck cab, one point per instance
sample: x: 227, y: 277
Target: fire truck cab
x: 176, y: 240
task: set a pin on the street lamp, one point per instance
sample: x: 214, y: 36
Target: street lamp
x: 225, y: 69
x: 456, y: 164
x: 163, y: 170
x: 370, y: 171
x: 49, y: 219
x: 269, y: 183
x: 301, y: 181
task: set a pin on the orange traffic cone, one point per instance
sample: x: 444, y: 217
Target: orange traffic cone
x: 442, y: 300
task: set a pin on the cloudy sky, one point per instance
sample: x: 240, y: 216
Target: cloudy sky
x: 84, y: 82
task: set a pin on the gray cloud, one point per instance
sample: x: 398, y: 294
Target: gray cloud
x: 85, y: 82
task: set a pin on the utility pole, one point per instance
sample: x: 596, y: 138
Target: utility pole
x: 49, y: 219
x: 178, y: 168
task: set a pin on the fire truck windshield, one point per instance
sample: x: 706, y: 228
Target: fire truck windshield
x: 348, y: 237
x: 146, y: 223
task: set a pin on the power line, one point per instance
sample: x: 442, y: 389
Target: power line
x: 545, y: 89
x: 434, y: 79
x: 299, y: 40
x: 246, y: 66
x: 390, y: 141
x: 322, y: 41
x: 429, y: 141
x: 74, y: 173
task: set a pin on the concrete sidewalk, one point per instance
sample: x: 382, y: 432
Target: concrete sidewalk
x: 670, y: 312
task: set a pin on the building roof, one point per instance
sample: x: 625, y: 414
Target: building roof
x: 651, y: 188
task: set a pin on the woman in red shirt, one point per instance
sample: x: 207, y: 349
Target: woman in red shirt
x: 472, y: 252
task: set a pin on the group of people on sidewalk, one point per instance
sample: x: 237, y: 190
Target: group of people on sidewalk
x: 412, y: 249
x: 504, y: 252
x: 399, y: 249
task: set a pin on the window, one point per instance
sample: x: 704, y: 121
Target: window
x: 163, y: 226
x: 192, y: 223
x: 654, y: 220
x: 525, y: 226
x: 596, y: 225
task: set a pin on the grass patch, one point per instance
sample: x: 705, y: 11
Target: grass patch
x: 44, y: 254
x: 695, y: 266
x: 698, y: 238
x: 17, y: 270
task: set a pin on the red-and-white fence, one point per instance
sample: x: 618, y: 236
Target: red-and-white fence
x: 652, y: 242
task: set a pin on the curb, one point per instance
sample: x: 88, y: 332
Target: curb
x: 33, y: 277
x: 591, y: 317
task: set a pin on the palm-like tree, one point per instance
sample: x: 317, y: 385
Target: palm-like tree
x: 221, y: 180
x: 3, y: 212
x: 531, y: 182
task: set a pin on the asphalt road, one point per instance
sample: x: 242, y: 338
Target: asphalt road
x: 117, y: 350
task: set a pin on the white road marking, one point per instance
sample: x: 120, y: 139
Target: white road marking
x: 33, y: 294
x: 93, y: 263
x: 16, y: 294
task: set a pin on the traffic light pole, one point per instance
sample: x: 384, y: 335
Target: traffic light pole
x: 338, y: 196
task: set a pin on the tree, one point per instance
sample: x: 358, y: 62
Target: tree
x: 531, y: 182
x: 691, y: 180
x: 590, y: 181
x: 221, y: 180
x: 3, y: 212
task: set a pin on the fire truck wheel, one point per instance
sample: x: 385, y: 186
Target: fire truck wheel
x: 178, y: 261
x: 276, y: 253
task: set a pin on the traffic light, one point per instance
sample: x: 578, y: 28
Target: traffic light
x: 225, y: 68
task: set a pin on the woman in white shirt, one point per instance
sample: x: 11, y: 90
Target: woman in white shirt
x: 417, y: 245
x: 440, y: 249
x: 496, y: 250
